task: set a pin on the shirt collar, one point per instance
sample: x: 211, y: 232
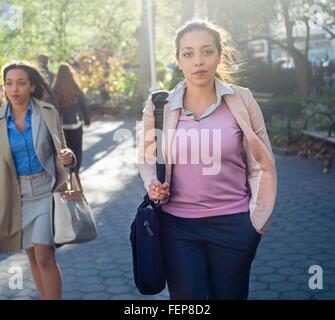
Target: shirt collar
x: 9, y: 112
x: 221, y: 89
x: 30, y: 107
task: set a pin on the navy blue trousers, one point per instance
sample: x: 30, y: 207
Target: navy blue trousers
x: 208, y: 258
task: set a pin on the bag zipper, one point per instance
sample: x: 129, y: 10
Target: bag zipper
x: 147, y: 226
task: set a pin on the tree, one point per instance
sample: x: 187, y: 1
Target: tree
x: 142, y: 36
x: 59, y: 14
x: 65, y: 28
x: 254, y: 23
x: 94, y: 35
x: 324, y: 16
x: 167, y: 19
x: 300, y: 58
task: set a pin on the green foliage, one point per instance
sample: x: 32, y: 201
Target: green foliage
x: 106, y: 80
x: 286, y: 115
x: 64, y: 28
x: 263, y: 77
x: 168, y: 19
x: 2, y: 63
x: 176, y: 77
x: 67, y: 29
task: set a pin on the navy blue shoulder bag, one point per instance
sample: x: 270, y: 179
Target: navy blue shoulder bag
x: 148, y: 265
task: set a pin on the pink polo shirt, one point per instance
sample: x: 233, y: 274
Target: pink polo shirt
x: 209, y: 176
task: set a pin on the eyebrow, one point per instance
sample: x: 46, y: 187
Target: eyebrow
x: 202, y: 47
x: 16, y: 79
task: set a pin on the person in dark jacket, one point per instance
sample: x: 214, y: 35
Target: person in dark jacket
x: 73, y: 108
x: 43, y: 61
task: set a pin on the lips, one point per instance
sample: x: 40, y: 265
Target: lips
x: 200, y: 72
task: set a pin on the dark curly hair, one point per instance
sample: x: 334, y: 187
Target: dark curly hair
x: 42, y: 89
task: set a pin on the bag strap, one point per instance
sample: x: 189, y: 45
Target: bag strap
x: 159, y: 101
x: 75, y: 174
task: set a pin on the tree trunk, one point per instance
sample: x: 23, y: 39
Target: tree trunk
x: 302, y: 66
x: 143, y: 83
x: 303, y: 73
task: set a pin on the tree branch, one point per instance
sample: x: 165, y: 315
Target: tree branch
x: 288, y: 23
x: 327, y: 29
x: 274, y: 41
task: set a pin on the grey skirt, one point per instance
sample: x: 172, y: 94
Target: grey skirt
x: 36, y: 197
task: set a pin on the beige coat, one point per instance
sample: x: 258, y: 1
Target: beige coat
x: 44, y: 120
x: 257, y: 152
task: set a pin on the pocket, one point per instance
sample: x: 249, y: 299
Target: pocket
x: 41, y: 185
x: 48, y: 178
x: 252, y: 227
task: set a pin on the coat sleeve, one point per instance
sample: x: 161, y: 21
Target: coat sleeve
x: 60, y: 131
x: 63, y: 141
x: 146, y: 153
x: 84, y: 109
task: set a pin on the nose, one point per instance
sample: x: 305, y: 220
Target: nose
x: 198, y: 61
x: 15, y: 88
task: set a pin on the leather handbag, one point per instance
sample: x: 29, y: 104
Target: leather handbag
x: 148, y: 267
x: 73, y: 221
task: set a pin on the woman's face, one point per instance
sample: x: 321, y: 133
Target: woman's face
x: 17, y: 86
x: 198, y: 57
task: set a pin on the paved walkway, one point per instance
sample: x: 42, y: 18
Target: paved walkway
x: 302, y: 232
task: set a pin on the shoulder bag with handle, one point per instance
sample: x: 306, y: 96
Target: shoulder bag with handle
x: 148, y: 268
x: 73, y: 221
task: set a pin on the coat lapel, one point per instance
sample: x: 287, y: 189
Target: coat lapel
x: 238, y: 110
x: 35, y: 124
x: 4, y: 141
x: 50, y: 123
x: 241, y: 115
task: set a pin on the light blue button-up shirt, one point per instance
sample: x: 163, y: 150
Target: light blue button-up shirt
x: 22, y: 145
x: 221, y: 89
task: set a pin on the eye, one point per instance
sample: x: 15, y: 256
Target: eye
x: 187, y: 54
x: 208, y: 52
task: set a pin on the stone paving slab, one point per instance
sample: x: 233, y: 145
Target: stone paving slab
x: 302, y: 231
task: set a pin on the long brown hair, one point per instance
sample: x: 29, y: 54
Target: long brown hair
x: 42, y: 89
x: 66, y: 86
x: 229, y: 55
